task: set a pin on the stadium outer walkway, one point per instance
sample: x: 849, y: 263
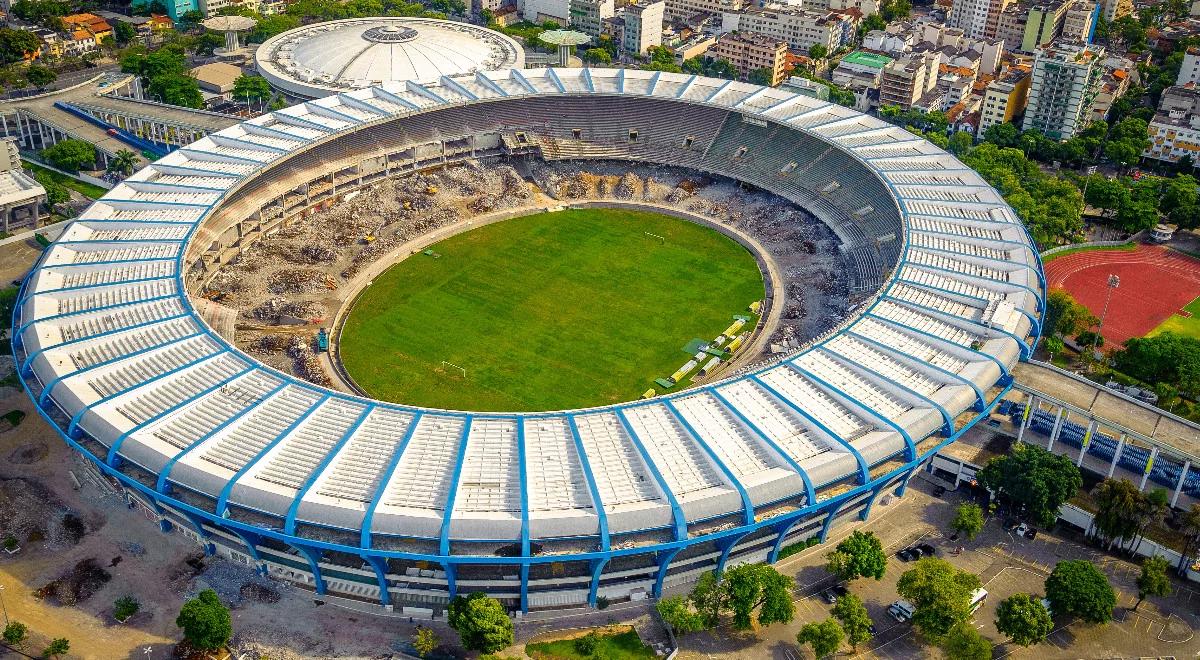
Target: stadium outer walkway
x: 772, y: 276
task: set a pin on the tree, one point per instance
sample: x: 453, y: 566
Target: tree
x: 824, y: 637
x: 125, y: 607
x: 124, y: 162
x: 72, y: 155
x: 1033, y: 478
x: 1126, y: 142
x: 1164, y: 358
x: 123, y: 33
x: 960, y: 143
x: 1023, y: 619
x: 176, y: 90
x: 968, y: 520
x: 675, y: 612
x: 1117, y: 504
x: 56, y: 193
x: 1106, y: 194
x: 759, y: 587
x: 964, y: 642
x: 40, y: 76
x: 1189, y: 527
x: 1065, y: 316
x: 425, y: 641
x: 251, y: 88
x: 852, y: 614
x: 597, y: 56
x: 1054, y: 346
x: 1077, y: 587
x: 481, y: 622
x: 16, y: 45
x: 818, y: 51
x: 269, y: 26
x: 1002, y: 135
x: 205, y: 621
x: 1153, y: 581
x: 858, y: 555
x: 58, y: 646
x: 709, y: 599
x: 872, y: 23
x: 15, y: 633
x: 761, y: 76
x: 940, y: 593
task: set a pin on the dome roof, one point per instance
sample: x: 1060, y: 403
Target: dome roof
x: 337, y: 56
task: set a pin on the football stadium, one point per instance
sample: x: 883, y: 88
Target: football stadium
x: 867, y: 298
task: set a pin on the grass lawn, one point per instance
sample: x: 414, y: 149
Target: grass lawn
x: 550, y: 311
x: 85, y: 189
x: 1182, y: 325
x: 618, y: 646
x: 1091, y: 248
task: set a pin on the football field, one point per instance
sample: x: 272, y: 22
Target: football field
x: 576, y: 308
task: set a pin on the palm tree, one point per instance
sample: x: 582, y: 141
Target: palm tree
x: 123, y: 162
x: 1189, y: 526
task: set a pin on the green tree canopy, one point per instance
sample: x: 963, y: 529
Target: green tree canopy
x: 964, y: 642
x: 205, y: 621
x: 674, y: 610
x: 1037, y: 480
x: 858, y: 555
x: 1051, y: 207
x: 425, y: 641
x: 15, y: 633
x: 1023, y: 619
x: 940, y: 593
x: 1164, y: 358
x: 759, y: 587
x: 761, y: 76
x: 1117, y: 504
x: 856, y: 622
x: 255, y: 88
x: 1153, y: 580
x: 40, y: 76
x: 818, y: 51
x: 72, y: 155
x: 58, y: 646
x: 123, y: 33
x: 1065, y: 316
x: 269, y: 26
x: 597, y: 56
x: 15, y: 45
x: 968, y: 519
x: 481, y: 622
x: 1078, y: 587
x: 824, y: 637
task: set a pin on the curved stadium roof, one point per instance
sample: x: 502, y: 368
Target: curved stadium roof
x: 111, y: 346
x: 338, y: 56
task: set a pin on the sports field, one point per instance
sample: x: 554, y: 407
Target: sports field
x: 556, y: 310
x: 1184, y: 322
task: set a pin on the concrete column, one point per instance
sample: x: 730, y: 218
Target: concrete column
x: 1058, y: 420
x: 1187, y: 465
x: 1116, y: 456
x: 1146, y: 472
x: 1087, y: 438
x: 1030, y: 408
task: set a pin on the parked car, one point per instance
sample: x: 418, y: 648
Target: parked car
x: 927, y: 550
x: 832, y: 594
x: 938, y: 491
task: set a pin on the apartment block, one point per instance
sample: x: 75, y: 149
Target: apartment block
x: 1066, y: 79
x: 587, y: 16
x: 1175, y: 129
x: 751, y: 51
x: 1005, y: 98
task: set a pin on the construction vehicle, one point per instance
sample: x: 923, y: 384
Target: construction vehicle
x: 431, y: 189
x: 369, y: 239
x: 322, y: 341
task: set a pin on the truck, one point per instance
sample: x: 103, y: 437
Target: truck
x: 322, y: 340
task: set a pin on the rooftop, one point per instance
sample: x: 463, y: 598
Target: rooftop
x: 862, y: 58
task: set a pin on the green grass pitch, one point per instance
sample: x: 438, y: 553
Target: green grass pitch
x: 1182, y: 325
x: 556, y: 310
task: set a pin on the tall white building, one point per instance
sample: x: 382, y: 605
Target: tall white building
x: 1175, y: 130
x: 976, y: 18
x: 1189, y: 71
x: 587, y: 16
x: 643, y: 25
x: 1066, y: 79
x: 802, y: 29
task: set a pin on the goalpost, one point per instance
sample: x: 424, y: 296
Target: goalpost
x: 451, y: 364
x: 661, y: 240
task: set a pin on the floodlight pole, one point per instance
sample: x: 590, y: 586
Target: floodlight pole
x: 1113, y: 283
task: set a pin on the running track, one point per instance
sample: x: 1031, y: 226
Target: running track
x: 1155, y: 283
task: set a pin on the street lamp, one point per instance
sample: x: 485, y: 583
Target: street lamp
x: 1113, y: 283
x: 3, y: 606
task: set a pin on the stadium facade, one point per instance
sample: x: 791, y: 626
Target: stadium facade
x: 405, y: 507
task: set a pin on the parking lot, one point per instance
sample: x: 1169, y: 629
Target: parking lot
x: 1007, y: 564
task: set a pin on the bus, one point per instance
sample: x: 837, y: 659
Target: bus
x: 977, y: 598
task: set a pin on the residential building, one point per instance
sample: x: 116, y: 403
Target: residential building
x: 1005, y: 98
x: 694, y: 46
x: 643, y: 25
x: 540, y: 11
x: 1066, y: 79
x: 92, y: 24
x: 1114, y: 9
x: 860, y: 70
x: 1190, y: 70
x: 1119, y: 74
x: 216, y: 77
x: 21, y: 197
x: 587, y: 16
x: 1175, y: 129
x: 53, y: 44
x: 1079, y: 24
x: 866, y: 7
x: 79, y: 42
x: 1043, y: 25
x: 751, y: 51
x: 906, y: 80
x: 800, y: 28
x: 680, y: 10
x: 977, y: 19
x: 886, y: 41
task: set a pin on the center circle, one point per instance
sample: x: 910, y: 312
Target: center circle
x: 559, y: 310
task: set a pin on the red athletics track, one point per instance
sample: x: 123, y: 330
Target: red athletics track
x: 1155, y: 283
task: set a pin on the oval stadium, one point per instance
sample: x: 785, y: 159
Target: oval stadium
x: 404, y: 506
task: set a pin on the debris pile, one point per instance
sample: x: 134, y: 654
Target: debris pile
x: 307, y: 365
x: 299, y: 280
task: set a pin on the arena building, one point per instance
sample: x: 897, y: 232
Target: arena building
x: 340, y: 56
x: 406, y: 507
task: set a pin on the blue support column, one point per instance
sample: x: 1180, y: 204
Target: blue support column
x: 680, y: 522
x: 205, y: 536
x: 909, y: 445
x: 251, y: 541
x: 825, y: 526
x: 451, y: 579
x: 664, y: 558
x: 523, y: 472
x: 725, y: 544
x: 313, y: 557
x: 597, y: 503
x: 379, y: 565
x: 782, y: 530
x: 447, y: 514
x: 597, y: 568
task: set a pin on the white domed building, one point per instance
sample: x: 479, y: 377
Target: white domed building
x: 323, y: 59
